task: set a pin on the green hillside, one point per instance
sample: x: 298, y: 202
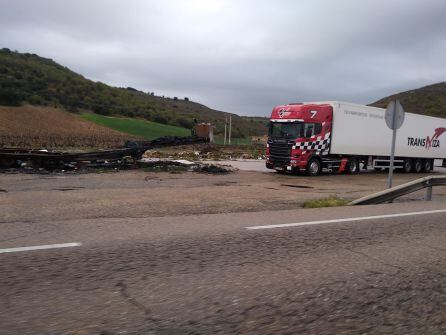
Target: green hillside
x: 428, y: 100
x: 30, y: 79
x: 146, y: 129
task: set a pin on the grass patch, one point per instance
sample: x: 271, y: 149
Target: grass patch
x: 331, y: 201
x: 141, y: 128
x: 234, y: 141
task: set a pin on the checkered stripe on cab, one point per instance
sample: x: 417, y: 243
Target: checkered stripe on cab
x: 319, y: 144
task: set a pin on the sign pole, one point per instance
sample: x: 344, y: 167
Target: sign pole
x: 394, y: 117
x: 392, y: 158
x: 392, y: 150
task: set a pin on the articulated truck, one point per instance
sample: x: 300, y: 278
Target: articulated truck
x: 345, y: 137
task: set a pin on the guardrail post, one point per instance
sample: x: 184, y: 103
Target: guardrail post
x: 429, y: 193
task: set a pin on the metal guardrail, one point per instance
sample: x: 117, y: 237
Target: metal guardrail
x: 400, y: 190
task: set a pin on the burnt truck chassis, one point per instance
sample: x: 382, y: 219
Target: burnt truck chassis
x: 13, y: 157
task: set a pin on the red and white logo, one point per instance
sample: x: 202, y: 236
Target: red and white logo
x: 434, y: 140
x: 284, y: 112
x: 428, y: 142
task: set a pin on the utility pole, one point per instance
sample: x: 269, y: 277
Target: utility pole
x: 230, y: 128
x: 226, y: 121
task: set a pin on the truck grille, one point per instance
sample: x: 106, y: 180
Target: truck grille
x: 280, y: 152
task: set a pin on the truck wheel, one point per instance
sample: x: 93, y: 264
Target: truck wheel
x: 314, y: 167
x: 352, y: 166
x: 418, y: 166
x: 427, y: 165
x: 407, y: 165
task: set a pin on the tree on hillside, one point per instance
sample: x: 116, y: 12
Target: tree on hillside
x: 10, y: 97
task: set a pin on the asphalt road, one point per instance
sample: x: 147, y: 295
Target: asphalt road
x: 209, y: 274
x: 259, y: 165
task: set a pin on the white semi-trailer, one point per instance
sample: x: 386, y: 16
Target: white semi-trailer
x: 343, y: 137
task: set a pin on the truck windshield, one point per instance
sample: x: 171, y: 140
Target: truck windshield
x: 293, y: 129
x: 286, y: 129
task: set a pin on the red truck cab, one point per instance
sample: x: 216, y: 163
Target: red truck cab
x: 299, y: 137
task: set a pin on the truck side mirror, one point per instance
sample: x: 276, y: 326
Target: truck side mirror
x: 308, y: 133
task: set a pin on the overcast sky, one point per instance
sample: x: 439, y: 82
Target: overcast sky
x: 239, y: 56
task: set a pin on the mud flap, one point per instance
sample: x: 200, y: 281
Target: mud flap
x: 344, y: 162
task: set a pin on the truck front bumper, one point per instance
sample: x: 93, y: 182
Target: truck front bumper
x: 290, y: 166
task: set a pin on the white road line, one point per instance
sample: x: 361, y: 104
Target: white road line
x: 286, y: 225
x: 41, y: 247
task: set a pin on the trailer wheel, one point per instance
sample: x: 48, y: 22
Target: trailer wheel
x: 314, y: 167
x: 352, y: 166
x: 407, y: 165
x: 418, y: 166
x: 427, y: 165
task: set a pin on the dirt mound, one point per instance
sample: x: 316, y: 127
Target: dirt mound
x: 44, y: 127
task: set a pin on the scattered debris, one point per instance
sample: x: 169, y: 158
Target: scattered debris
x: 171, y: 154
x: 165, y: 161
x: 214, y: 168
x: 208, y: 152
x: 34, y: 160
x: 177, y: 165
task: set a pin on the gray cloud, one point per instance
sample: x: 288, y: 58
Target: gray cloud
x: 239, y: 56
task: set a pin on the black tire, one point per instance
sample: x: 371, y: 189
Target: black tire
x: 352, y: 166
x: 314, y: 167
x: 7, y: 162
x: 427, y: 165
x: 418, y: 166
x: 37, y: 162
x: 50, y: 164
x: 407, y: 165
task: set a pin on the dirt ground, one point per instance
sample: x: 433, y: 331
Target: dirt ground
x: 51, y: 128
x: 135, y: 193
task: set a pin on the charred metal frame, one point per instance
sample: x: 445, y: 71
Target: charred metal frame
x: 51, y: 159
